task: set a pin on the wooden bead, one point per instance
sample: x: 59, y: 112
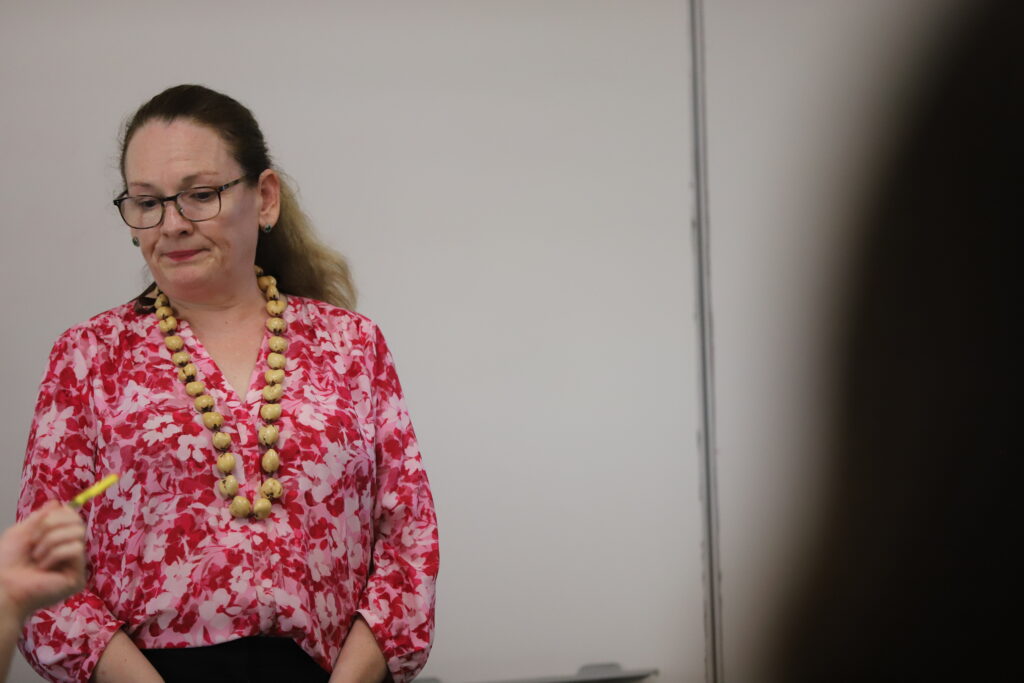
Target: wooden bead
x: 213, y: 420
x: 270, y: 411
x: 268, y: 435
x: 226, y: 463
x: 272, y: 488
x: 261, y: 510
x: 240, y: 506
x: 271, y: 461
x: 228, y: 486
x: 204, y: 403
x: 221, y: 441
x: 187, y: 372
x: 168, y: 324
x: 272, y: 393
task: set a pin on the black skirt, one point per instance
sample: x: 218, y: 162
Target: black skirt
x: 247, y: 660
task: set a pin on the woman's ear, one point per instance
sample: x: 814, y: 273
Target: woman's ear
x: 269, y: 188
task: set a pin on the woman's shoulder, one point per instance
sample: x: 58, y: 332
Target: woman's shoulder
x: 106, y: 329
x: 351, y: 337
x: 335, y: 318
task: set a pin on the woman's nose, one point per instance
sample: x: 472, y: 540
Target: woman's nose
x: 174, y: 221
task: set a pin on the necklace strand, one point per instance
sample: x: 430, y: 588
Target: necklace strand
x: 270, y: 411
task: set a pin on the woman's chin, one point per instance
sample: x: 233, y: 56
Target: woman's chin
x: 185, y: 278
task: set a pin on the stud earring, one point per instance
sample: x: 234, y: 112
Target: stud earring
x: 267, y: 228
x: 135, y: 241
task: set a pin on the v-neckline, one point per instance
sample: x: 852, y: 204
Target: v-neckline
x: 198, y: 350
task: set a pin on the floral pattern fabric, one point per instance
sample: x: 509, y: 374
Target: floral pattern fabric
x: 355, y: 532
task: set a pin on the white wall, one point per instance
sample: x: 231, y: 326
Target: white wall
x: 801, y: 96
x: 511, y: 182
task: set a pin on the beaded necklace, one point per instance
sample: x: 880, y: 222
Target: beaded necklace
x: 270, y: 411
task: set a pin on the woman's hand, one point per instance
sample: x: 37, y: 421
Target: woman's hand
x: 360, y: 660
x: 42, y: 560
x: 123, y: 662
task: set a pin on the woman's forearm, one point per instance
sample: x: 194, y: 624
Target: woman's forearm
x: 123, y: 662
x: 360, y: 660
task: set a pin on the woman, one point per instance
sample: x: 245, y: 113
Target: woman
x: 272, y: 515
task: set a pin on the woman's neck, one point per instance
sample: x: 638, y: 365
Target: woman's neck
x: 230, y: 309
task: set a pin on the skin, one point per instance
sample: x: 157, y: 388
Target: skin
x: 42, y: 561
x: 360, y: 659
x: 206, y: 270
x: 215, y: 289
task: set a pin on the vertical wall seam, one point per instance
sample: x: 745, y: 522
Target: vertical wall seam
x: 707, y: 446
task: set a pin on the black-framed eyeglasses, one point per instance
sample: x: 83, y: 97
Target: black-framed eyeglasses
x: 194, y: 204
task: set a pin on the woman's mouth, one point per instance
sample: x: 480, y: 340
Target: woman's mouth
x: 183, y: 255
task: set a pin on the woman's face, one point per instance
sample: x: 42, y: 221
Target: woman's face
x: 207, y: 260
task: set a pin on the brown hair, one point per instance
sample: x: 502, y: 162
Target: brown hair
x: 292, y: 252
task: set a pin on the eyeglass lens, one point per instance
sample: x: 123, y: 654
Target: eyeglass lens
x: 197, y: 204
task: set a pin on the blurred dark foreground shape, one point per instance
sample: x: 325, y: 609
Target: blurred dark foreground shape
x: 912, y: 576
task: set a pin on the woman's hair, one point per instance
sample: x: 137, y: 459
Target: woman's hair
x: 302, y: 264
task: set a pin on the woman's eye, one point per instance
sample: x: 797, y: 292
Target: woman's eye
x: 202, y: 195
x: 146, y: 203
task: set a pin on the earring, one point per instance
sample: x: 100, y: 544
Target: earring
x: 267, y: 228
x: 135, y: 241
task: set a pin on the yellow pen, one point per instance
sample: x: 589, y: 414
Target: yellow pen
x: 93, y: 491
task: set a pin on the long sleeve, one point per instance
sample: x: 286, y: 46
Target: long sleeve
x: 168, y: 564
x: 64, y: 643
x: 398, y: 601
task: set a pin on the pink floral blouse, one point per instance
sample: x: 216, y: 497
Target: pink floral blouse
x: 355, y: 531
